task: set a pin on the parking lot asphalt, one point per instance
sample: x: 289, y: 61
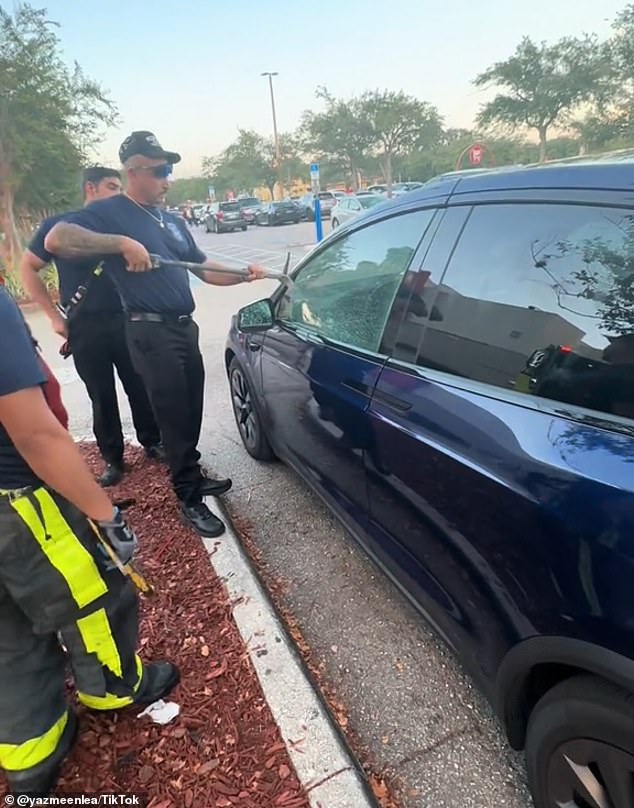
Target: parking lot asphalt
x: 410, y: 705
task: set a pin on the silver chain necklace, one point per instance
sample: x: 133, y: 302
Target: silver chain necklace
x: 158, y: 219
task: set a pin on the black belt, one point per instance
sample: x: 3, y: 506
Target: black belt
x: 151, y: 317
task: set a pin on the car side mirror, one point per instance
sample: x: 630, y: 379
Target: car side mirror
x: 257, y: 316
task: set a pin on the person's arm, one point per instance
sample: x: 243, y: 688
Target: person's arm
x: 30, y: 267
x: 50, y: 452
x: 207, y: 274
x: 68, y: 240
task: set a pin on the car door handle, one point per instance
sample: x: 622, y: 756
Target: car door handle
x: 254, y: 346
x: 358, y: 387
x: 394, y: 403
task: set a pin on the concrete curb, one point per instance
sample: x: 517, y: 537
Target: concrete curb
x: 324, y: 765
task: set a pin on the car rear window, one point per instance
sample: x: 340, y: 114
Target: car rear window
x: 247, y: 203
x: 326, y: 195
x: 229, y: 206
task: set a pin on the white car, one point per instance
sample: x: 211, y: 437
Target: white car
x: 353, y: 206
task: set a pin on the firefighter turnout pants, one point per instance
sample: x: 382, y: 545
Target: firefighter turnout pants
x: 54, y: 584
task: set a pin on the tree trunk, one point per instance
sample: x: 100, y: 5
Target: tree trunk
x: 388, y: 173
x: 542, y: 144
x: 10, y: 243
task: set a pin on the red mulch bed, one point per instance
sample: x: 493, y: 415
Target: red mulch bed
x: 224, y: 749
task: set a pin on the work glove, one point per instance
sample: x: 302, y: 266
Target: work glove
x: 120, y: 537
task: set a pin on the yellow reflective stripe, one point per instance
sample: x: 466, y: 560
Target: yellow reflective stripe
x: 109, y: 701
x: 97, y: 636
x: 62, y: 548
x: 17, y: 757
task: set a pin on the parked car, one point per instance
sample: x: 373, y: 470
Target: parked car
x: 400, y: 188
x: 453, y: 372
x: 278, y: 213
x: 327, y: 202
x: 249, y: 206
x: 377, y: 189
x: 224, y: 216
x: 353, y: 206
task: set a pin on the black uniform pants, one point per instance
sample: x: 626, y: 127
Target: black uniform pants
x: 168, y: 359
x: 98, y: 343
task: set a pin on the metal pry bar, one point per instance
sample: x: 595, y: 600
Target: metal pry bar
x: 282, y: 277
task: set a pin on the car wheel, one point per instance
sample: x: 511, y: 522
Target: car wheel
x: 580, y: 746
x: 246, y: 414
x: 335, y: 224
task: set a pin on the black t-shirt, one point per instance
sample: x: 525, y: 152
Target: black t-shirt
x: 19, y: 370
x: 102, y: 295
x: 165, y: 290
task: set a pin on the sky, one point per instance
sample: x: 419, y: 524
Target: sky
x: 191, y: 71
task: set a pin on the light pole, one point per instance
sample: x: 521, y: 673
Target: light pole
x: 275, y: 138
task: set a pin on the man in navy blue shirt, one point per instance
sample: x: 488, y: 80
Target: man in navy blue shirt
x: 96, y: 335
x: 162, y: 336
x: 55, y: 581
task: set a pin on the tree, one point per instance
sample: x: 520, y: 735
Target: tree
x: 398, y: 123
x: 50, y: 118
x: 543, y: 85
x: 339, y: 135
x: 250, y: 161
x: 182, y: 190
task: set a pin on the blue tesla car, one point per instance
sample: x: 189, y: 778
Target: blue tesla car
x: 453, y: 372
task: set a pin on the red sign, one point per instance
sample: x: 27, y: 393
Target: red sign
x: 475, y: 155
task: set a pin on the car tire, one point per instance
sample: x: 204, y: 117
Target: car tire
x: 583, y: 728
x: 246, y: 413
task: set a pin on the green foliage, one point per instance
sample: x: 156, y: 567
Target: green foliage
x: 191, y: 188
x: 250, y: 161
x: 543, y: 84
x: 50, y: 119
x: 338, y: 137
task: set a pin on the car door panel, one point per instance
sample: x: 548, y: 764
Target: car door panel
x: 320, y: 362
x: 316, y: 400
x: 498, y: 496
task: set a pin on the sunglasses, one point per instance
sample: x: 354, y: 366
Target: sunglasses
x: 158, y: 172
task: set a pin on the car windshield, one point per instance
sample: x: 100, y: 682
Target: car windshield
x: 370, y: 201
x: 248, y: 203
x: 229, y: 206
x: 326, y: 195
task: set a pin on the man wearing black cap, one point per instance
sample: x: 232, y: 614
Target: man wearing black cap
x: 96, y: 335
x: 162, y: 336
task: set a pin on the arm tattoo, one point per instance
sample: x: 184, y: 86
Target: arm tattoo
x: 72, y: 241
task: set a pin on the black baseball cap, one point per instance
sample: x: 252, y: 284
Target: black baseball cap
x: 145, y: 143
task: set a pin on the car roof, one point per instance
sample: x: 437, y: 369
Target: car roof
x: 612, y: 171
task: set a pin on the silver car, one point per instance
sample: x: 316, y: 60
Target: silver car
x: 351, y: 206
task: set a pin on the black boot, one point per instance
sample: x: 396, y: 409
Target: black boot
x: 156, y: 452
x: 198, y: 515
x: 159, y: 679
x: 111, y: 475
x: 40, y: 780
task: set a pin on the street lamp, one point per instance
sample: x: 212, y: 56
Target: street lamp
x: 275, y: 138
